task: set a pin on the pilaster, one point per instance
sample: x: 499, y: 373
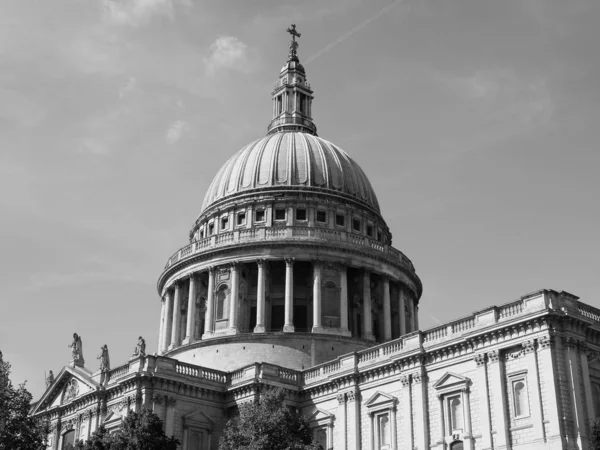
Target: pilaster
x: 498, y: 387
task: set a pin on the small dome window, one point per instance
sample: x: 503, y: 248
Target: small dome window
x: 321, y: 216
x: 301, y: 214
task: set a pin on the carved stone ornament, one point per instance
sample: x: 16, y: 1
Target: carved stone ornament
x: 479, y: 359
x: 417, y: 378
x: 71, y: 391
x: 528, y: 346
x: 172, y: 401
x: 341, y: 398
x: 546, y: 342
x: 493, y: 356
x: 157, y: 399
x: 351, y: 396
x: 405, y: 380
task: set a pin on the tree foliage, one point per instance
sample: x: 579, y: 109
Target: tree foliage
x: 595, y: 436
x: 18, y: 430
x: 268, y: 425
x: 139, y: 431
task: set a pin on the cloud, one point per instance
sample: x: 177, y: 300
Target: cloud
x: 227, y: 53
x: 131, y: 86
x: 138, y: 12
x: 175, y: 132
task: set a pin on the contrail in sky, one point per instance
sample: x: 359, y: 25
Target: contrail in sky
x: 358, y: 27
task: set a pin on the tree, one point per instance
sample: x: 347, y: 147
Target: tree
x: 595, y: 437
x: 268, y: 425
x: 139, y: 431
x: 18, y: 430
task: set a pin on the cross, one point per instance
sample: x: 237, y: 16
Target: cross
x: 293, y: 32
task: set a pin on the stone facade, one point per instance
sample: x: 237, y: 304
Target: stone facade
x: 522, y: 375
x: 290, y: 279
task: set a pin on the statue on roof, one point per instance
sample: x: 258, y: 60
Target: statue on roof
x: 77, y: 350
x: 104, y: 359
x: 49, y: 379
x: 140, y: 348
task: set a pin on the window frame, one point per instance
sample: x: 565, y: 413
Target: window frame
x: 261, y: 211
x: 356, y: 220
x: 278, y: 209
x: 343, y: 217
x: 224, y: 223
x: 513, y: 379
x: 320, y: 211
x: 240, y: 219
x: 451, y: 386
x: 378, y: 406
x: 305, y: 214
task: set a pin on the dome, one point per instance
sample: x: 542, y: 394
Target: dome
x: 291, y: 160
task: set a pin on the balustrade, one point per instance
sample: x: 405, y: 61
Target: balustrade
x: 293, y: 233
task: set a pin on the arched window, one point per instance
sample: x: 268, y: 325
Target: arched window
x: 456, y: 413
x: 520, y: 399
x: 68, y: 440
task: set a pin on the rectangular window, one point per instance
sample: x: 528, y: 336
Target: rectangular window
x: 340, y: 220
x: 379, y: 236
x: 259, y: 215
x: 356, y: 224
x: 201, y: 234
x: 211, y: 228
x: 321, y: 216
x: 370, y: 230
x: 279, y: 213
x: 321, y: 437
x: 300, y: 214
x: 224, y: 223
x: 241, y: 218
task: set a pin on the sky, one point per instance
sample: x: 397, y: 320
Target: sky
x: 475, y: 120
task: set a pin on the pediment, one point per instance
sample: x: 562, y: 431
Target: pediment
x: 320, y: 416
x: 381, y: 399
x: 70, y: 384
x: 198, y: 419
x: 451, y: 380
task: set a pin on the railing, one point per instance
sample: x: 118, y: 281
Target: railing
x: 511, y: 309
x: 118, y: 372
x: 435, y: 333
x: 292, y: 120
x: 588, y: 311
x: 288, y: 375
x: 200, y: 372
x: 292, y: 233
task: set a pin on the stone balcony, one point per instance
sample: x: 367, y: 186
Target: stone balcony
x: 291, y: 235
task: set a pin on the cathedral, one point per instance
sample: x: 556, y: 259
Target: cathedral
x: 290, y: 279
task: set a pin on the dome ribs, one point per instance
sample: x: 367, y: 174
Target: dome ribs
x: 281, y: 160
x: 290, y: 159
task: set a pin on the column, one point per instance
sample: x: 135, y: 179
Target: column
x: 481, y: 382
x: 260, y: 298
x: 420, y: 407
x: 317, y: 327
x: 209, y: 319
x: 191, y: 314
x: 545, y: 351
x: 234, y: 300
x: 176, y: 323
x: 535, y: 401
x: 406, y: 443
x: 288, y: 326
x: 344, y: 300
x: 402, y: 305
x: 387, y: 310
x: 587, y: 385
x: 498, y: 400
x: 341, y: 425
x: 367, y: 319
x: 575, y: 392
x: 161, y: 328
x: 168, y: 320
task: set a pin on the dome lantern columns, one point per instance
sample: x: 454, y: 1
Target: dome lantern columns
x: 218, y: 302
